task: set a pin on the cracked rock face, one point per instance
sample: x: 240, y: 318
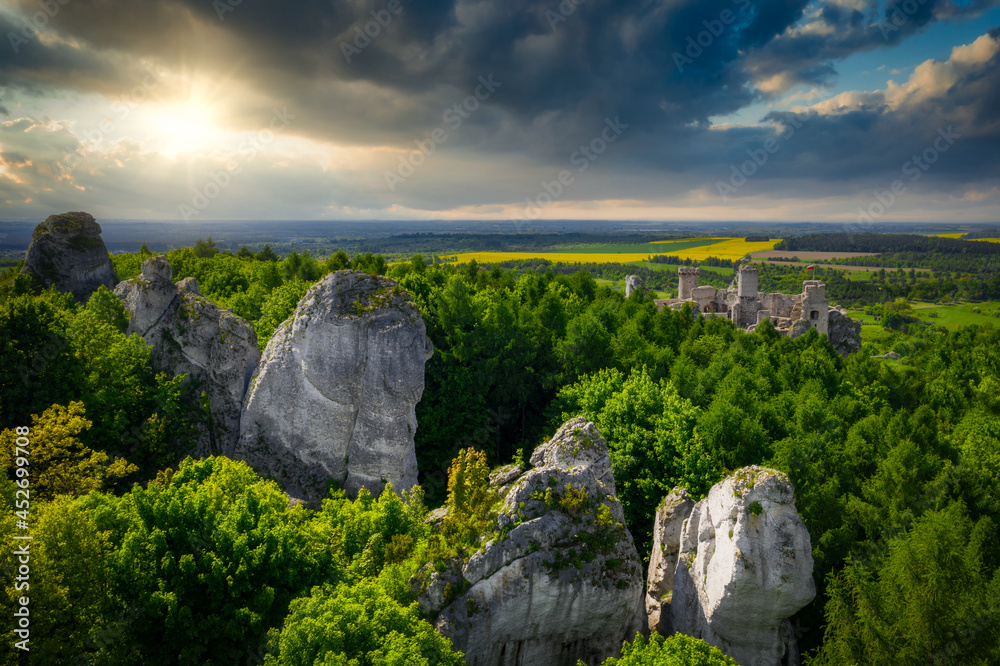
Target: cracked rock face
x: 190, y: 335
x: 67, y: 251
x: 844, y: 332
x: 335, y: 395
x: 562, y: 581
x: 667, y: 528
x: 743, y: 568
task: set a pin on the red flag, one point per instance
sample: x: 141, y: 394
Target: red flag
x: 810, y: 267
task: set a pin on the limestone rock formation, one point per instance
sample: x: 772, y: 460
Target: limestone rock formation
x: 335, y: 395
x: 669, y: 522
x: 190, y: 335
x: 562, y: 581
x: 744, y: 567
x: 633, y: 283
x: 844, y: 332
x: 67, y: 251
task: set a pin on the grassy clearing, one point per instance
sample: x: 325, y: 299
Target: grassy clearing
x: 952, y: 317
x: 959, y: 314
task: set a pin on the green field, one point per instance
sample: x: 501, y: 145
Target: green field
x: 673, y: 267
x: 960, y: 314
x: 952, y: 317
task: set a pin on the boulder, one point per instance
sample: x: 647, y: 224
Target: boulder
x: 334, y: 397
x: 190, y: 335
x: 67, y: 251
x: 561, y: 580
x: 844, y: 332
x: 744, y: 568
x: 670, y: 516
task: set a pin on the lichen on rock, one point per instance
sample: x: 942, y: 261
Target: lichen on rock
x: 561, y: 579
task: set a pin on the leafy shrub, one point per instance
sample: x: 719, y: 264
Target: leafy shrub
x: 678, y: 650
x: 357, y: 626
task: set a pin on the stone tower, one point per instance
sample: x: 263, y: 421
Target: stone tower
x: 687, y: 279
x: 747, y: 285
x: 815, y: 307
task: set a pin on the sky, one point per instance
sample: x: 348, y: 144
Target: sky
x: 847, y: 111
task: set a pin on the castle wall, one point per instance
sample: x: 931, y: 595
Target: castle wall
x: 746, y: 307
x: 779, y: 305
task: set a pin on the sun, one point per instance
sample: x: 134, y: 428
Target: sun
x: 191, y: 123
x: 184, y: 128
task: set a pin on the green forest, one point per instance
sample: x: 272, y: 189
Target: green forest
x: 144, y: 555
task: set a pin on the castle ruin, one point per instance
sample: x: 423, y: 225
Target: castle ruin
x: 745, y: 306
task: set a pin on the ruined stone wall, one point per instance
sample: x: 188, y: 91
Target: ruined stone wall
x: 779, y: 305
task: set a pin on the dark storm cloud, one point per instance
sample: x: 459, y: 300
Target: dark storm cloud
x: 574, y: 61
x: 563, y: 67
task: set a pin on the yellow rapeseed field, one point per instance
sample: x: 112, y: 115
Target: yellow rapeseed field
x: 958, y: 235
x: 729, y: 248
x: 986, y: 240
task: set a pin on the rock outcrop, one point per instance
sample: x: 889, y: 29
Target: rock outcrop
x: 743, y: 568
x: 844, y: 332
x: 667, y: 529
x: 67, y: 251
x: 562, y: 580
x: 633, y: 283
x: 190, y: 335
x: 334, y: 397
